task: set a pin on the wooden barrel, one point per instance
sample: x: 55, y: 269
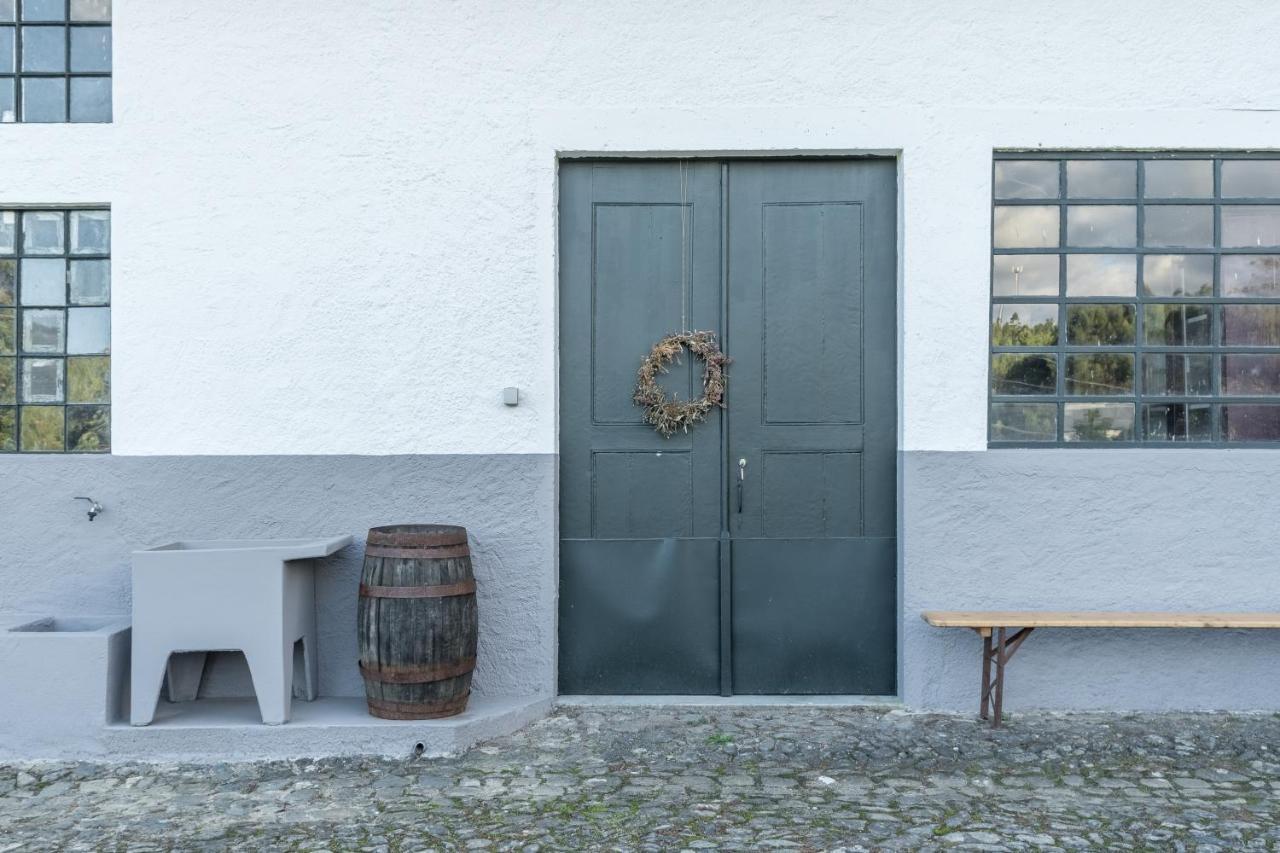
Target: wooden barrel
x: 417, y: 621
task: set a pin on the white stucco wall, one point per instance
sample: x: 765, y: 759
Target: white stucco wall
x: 334, y: 228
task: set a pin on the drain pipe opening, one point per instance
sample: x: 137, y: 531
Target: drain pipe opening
x: 418, y: 749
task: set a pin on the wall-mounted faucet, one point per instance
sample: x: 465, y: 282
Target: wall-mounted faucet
x: 95, y: 508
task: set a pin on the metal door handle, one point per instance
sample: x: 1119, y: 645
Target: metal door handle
x: 742, y: 476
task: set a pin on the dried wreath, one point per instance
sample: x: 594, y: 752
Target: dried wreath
x: 670, y: 416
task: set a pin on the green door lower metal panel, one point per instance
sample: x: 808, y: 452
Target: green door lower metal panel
x: 641, y: 615
x: 814, y: 616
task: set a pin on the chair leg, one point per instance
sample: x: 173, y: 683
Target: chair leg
x: 146, y: 677
x: 272, y: 671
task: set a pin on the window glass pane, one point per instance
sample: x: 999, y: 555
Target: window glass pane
x: 41, y: 429
x: 1100, y: 374
x: 90, y: 232
x: 91, y: 10
x: 8, y: 38
x: 91, y: 48
x: 1024, y: 421
x: 42, y: 233
x: 1251, y: 178
x: 89, y: 331
x: 8, y: 380
x: 1178, y: 178
x: 8, y: 230
x: 1178, y: 325
x: 1176, y: 375
x: 44, y: 281
x: 1026, y: 227
x: 8, y: 429
x: 44, y: 49
x: 1098, y: 422
x: 90, y: 282
x: 1251, y: 275
x: 8, y: 281
x: 8, y: 331
x: 1246, y: 374
x: 88, y: 429
x: 1025, y: 275
x: 1251, y: 325
x: 89, y: 379
x: 8, y: 102
x: 1100, y: 325
x: 1102, y: 275
x: 1251, y: 422
x: 1178, y: 422
x: 1024, y: 324
x: 7, y: 9
x: 1245, y: 226
x: 1107, y: 225
x: 43, y: 10
x: 44, y: 331
x: 1177, y: 275
x: 1170, y: 225
x: 44, y: 100
x: 42, y: 380
x: 1026, y: 179
x: 1102, y: 179
x: 91, y: 99
x: 1018, y: 373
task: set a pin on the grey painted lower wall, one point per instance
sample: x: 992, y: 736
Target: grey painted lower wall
x: 53, y: 561
x: 1141, y: 529
x: 1094, y: 529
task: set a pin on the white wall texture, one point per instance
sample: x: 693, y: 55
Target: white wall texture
x: 334, y: 225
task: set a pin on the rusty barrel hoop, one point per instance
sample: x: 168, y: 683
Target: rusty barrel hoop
x: 417, y: 621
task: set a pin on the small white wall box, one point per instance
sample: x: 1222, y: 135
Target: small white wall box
x: 511, y: 396
x: 62, y: 680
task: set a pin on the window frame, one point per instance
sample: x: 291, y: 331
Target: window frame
x: 18, y: 76
x: 19, y: 354
x: 1215, y: 301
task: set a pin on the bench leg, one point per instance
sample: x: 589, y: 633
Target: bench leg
x: 997, y: 649
x: 998, y: 698
x: 984, y: 701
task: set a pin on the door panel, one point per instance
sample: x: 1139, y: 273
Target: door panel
x: 640, y: 257
x: 812, y: 411
x: 639, y: 616
x: 811, y: 361
x: 811, y: 493
x: 808, y: 617
x: 667, y: 583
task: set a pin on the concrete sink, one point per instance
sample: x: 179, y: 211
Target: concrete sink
x: 197, y: 596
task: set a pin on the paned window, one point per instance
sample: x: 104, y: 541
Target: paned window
x: 1135, y: 299
x: 55, y: 331
x: 55, y: 60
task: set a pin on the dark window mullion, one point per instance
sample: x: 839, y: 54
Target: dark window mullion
x: 1139, y: 310
x: 1217, y: 362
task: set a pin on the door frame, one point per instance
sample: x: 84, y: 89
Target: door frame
x: 553, y: 240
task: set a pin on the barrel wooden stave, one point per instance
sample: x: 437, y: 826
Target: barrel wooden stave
x: 417, y: 653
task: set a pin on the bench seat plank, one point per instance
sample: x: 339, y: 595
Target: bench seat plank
x: 1096, y: 619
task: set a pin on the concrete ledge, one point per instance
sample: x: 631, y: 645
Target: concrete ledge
x: 215, y: 730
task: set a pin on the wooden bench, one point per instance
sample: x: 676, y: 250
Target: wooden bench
x: 1000, y: 641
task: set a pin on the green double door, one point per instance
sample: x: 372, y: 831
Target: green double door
x: 757, y: 552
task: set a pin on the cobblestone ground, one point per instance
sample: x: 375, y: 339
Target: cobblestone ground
x: 695, y: 779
